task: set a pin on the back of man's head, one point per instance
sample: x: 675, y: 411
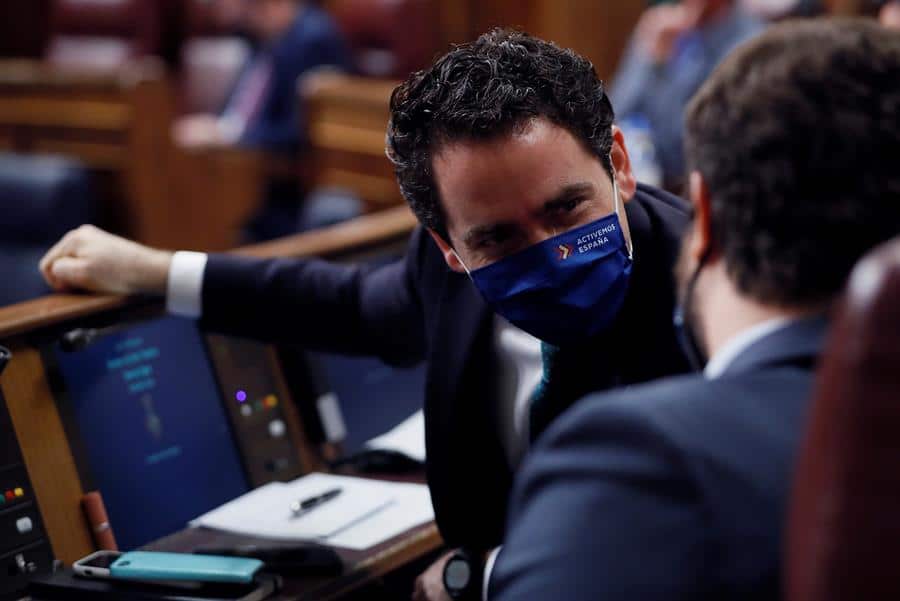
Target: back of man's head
x: 797, y: 136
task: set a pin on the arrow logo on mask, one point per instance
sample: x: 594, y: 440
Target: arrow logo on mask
x: 565, y: 251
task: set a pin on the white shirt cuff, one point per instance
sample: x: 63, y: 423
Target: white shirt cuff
x: 488, y: 568
x: 184, y: 289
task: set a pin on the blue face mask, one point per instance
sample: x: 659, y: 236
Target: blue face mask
x: 567, y: 288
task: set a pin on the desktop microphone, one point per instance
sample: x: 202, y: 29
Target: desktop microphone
x: 97, y: 518
x: 81, y: 338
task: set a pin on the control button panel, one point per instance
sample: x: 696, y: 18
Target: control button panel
x: 24, y: 525
x: 255, y: 398
x: 18, y: 527
x: 11, y: 495
x: 277, y: 428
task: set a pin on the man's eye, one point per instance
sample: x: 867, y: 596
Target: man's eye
x: 569, y: 205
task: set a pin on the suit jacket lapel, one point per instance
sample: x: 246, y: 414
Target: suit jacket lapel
x: 464, y: 452
x: 462, y: 314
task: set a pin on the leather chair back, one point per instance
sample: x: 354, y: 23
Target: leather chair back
x: 103, y: 34
x: 388, y: 38
x: 844, y: 517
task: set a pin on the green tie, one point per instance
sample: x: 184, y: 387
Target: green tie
x: 570, y: 373
x: 540, y: 412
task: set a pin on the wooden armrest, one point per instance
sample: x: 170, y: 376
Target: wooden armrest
x: 355, y: 235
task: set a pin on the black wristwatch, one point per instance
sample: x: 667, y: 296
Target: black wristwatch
x: 463, y: 574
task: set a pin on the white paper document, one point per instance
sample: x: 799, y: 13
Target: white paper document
x: 366, y: 513
x: 411, y: 508
x: 407, y: 438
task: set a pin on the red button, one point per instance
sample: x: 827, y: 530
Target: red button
x: 10, y: 495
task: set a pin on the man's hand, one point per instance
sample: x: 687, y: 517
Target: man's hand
x: 659, y: 27
x: 88, y: 258
x: 199, y: 131
x: 430, y: 584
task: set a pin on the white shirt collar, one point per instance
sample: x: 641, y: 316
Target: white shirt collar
x: 740, y: 342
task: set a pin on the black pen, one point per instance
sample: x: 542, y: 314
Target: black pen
x: 299, y: 508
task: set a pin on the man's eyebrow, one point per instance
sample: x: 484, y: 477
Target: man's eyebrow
x: 482, y: 232
x: 566, y: 194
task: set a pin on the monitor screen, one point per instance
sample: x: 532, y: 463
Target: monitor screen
x: 149, y: 417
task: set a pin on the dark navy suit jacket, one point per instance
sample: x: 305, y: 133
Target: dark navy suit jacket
x: 312, y: 41
x: 417, y: 309
x: 668, y: 491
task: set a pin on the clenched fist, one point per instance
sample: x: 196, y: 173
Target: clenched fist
x: 88, y: 258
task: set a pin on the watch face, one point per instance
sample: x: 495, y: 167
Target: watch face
x: 457, y: 574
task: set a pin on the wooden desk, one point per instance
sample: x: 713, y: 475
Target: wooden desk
x: 41, y: 431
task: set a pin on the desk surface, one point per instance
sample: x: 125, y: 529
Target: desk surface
x: 363, y: 567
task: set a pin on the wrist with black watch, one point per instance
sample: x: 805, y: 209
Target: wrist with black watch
x: 464, y: 574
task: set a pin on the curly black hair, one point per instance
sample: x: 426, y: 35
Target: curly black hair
x: 486, y: 89
x: 797, y: 135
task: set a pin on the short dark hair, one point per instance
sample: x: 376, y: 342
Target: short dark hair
x: 797, y: 135
x: 486, y: 89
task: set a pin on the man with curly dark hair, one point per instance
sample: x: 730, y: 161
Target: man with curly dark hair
x: 676, y: 489
x: 533, y: 230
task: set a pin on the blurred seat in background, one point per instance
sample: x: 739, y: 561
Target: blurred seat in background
x: 348, y: 114
x: 41, y: 198
x: 388, y: 38
x: 103, y: 34
x: 844, y: 521
x: 115, y: 123
x: 101, y: 97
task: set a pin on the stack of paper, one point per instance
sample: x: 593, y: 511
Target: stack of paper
x: 407, y: 438
x: 366, y: 513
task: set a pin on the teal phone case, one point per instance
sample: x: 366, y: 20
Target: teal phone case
x: 143, y: 565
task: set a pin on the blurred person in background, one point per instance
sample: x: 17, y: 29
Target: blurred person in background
x: 290, y: 38
x: 889, y: 15
x: 672, y: 51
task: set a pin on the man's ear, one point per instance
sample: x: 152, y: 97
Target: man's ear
x: 625, y: 179
x: 450, y: 255
x: 701, y: 239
